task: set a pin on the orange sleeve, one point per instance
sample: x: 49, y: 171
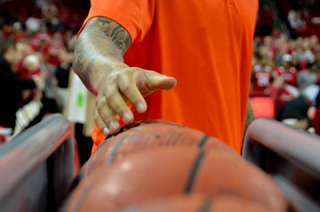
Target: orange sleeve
x: 134, y: 15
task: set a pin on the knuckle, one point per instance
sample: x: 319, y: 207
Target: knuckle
x: 121, y: 110
x: 103, y: 115
x: 100, y: 102
x: 111, y: 95
x: 126, y: 82
x: 125, y: 87
x: 99, y: 122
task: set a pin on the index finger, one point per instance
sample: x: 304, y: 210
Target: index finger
x: 132, y: 93
x: 118, y: 105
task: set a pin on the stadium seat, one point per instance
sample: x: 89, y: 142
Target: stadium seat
x: 290, y: 156
x: 37, y: 167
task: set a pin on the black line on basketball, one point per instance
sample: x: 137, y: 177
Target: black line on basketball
x: 114, y: 150
x: 203, y: 141
x: 176, y: 140
x: 205, y: 207
x: 103, y: 143
x: 76, y: 180
x: 194, y: 171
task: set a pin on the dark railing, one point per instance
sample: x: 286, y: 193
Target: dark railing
x: 290, y: 156
x: 37, y: 167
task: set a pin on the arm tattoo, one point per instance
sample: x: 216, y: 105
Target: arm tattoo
x: 115, y: 32
x: 101, y: 37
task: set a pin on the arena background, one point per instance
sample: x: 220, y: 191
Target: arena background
x: 285, y: 81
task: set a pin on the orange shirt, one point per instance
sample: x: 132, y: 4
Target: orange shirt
x: 205, y: 44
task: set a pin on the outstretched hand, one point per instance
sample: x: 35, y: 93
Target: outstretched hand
x: 129, y: 84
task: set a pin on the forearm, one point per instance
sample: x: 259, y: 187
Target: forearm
x: 98, y: 60
x: 99, y: 50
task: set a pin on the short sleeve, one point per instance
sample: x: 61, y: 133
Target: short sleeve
x: 135, y: 16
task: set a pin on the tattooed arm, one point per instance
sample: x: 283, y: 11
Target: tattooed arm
x: 98, y: 60
x: 100, y: 39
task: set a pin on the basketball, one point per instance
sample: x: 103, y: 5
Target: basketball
x: 165, y: 171
x: 150, y: 134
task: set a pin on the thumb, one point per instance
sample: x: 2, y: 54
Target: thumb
x: 155, y: 81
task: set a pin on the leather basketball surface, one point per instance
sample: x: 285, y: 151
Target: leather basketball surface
x: 197, y: 203
x: 156, y: 173
x: 150, y: 134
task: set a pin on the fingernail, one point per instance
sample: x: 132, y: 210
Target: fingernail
x: 105, y: 131
x: 127, y: 117
x: 113, y: 126
x: 140, y: 107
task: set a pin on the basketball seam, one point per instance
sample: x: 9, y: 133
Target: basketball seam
x: 115, y: 148
x: 203, y: 141
x: 206, y: 205
x: 195, y: 168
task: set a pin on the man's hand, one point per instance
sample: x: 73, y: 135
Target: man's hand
x: 99, y: 63
x: 128, y: 84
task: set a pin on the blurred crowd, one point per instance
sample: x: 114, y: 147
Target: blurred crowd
x: 37, y: 39
x: 37, y: 48
x: 43, y: 56
x: 287, y: 70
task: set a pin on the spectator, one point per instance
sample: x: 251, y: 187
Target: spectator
x: 296, y: 21
x: 287, y: 71
x: 295, y: 113
x: 31, y: 66
x: 33, y: 25
x: 262, y: 75
x: 308, y: 77
x: 17, y: 32
x: 11, y: 86
x: 280, y: 93
x: 314, y: 113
